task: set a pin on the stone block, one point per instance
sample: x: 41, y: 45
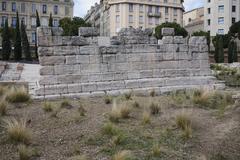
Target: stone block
x: 94, y: 77
x: 78, y: 41
x: 117, y: 85
x: 75, y: 88
x: 48, y: 80
x: 47, y: 70
x: 121, y: 58
x: 133, y: 75
x: 51, y: 60
x: 168, y: 32
x: 66, y: 50
x: 161, y: 48
x: 183, y: 47
x: 168, y: 56
x: 203, y: 48
x: 108, y: 58
x: 45, y: 41
x: 167, y: 40
x: 71, y: 59
x: 120, y: 76
x: 89, y: 50
x: 103, y: 41
x: 182, y: 56
x: 179, y: 40
x: 57, y: 31
x: 196, y: 40
x: 66, y: 69
x: 95, y: 59
x: 83, y: 59
x: 44, y: 31
x: 172, y: 47
x: 109, y: 50
x: 88, y: 31
x: 104, y: 86
x: 130, y: 84
x: 89, y: 87
x: 45, y: 51
x: 193, y: 48
x: 146, y: 74
x: 108, y: 76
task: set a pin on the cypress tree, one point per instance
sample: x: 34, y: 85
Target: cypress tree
x: 50, y: 23
x: 220, y: 50
x: 25, y: 43
x: 230, y: 51
x: 216, y: 56
x: 235, y: 52
x: 17, y: 43
x: 6, y: 43
x: 38, y: 23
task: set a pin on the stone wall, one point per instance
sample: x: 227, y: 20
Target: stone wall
x: 78, y: 66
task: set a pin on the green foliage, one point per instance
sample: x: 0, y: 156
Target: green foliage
x: 25, y: 43
x: 179, y: 31
x: 226, y: 40
x: 219, y: 49
x: 38, y: 23
x: 50, y: 23
x: 205, y: 34
x: 70, y: 26
x: 6, y: 43
x: 17, y: 44
x: 234, y: 30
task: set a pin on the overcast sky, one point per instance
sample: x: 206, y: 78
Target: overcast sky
x: 81, y: 6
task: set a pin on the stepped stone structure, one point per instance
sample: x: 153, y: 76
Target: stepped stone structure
x: 132, y: 61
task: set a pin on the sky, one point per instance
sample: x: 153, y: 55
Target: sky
x: 81, y: 6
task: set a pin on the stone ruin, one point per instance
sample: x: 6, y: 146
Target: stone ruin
x: 89, y: 65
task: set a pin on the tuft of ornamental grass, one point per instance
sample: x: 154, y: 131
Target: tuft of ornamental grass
x: 184, y: 122
x: 26, y: 153
x: 153, y: 93
x: 48, y: 107
x: 123, y: 155
x: 154, y: 108
x: 79, y: 157
x: 18, y: 95
x: 17, y: 130
x: 156, y: 150
x: 2, y: 90
x: 66, y: 104
x: 117, y: 140
x: 110, y: 129
x: 125, y: 110
x: 3, y: 107
x: 146, y: 117
x: 108, y: 99
x: 135, y: 104
x: 118, y: 112
x: 128, y: 96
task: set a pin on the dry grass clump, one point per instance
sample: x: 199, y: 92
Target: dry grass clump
x: 152, y: 93
x: 154, y: 108
x: 17, y: 130
x: 66, y: 104
x: 2, y: 90
x: 146, y: 117
x: 135, y: 104
x: 184, y: 122
x: 156, y: 150
x: 26, y: 153
x: 108, y: 99
x: 110, y: 129
x: 79, y: 157
x: 128, y: 96
x: 117, y: 140
x: 3, y: 107
x: 123, y: 155
x: 48, y: 107
x: 18, y: 95
x: 119, y: 111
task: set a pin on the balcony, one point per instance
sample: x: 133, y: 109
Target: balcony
x: 158, y: 15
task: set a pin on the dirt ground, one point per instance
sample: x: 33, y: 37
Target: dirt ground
x: 214, y: 137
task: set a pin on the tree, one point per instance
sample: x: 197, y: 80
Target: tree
x: 235, y: 52
x: 219, y: 50
x: 230, y: 51
x: 25, y: 43
x: 70, y: 27
x: 234, y: 30
x: 6, y: 43
x: 205, y: 34
x: 179, y: 31
x: 17, y: 42
x: 50, y: 23
x: 38, y: 23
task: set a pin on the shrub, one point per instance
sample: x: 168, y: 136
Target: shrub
x: 128, y: 96
x: 108, y: 99
x: 154, y: 108
x: 110, y: 129
x: 3, y: 107
x: 125, y: 110
x: 81, y: 110
x: 153, y: 93
x: 123, y: 155
x: 19, y: 95
x: 17, y: 130
x: 2, y: 90
x: 184, y: 122
x: 48, y: 107
x: 26, y: 153
x: 187, y: 132
x: 156, y: 151
x: 66, y: 104
x: 146, y: 117
x: 115, y: 113
x: 135, y: 104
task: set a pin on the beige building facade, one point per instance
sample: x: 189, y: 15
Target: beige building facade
x: 27, y: 13
x: 117, y: 14
x: 193, y: 20
x: 219, y: 15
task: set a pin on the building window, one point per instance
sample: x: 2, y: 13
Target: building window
x: 14, y: 8
x: 34, y: 8
x: 221, y: 20
x: 140, y: 7
x: 221, y: 31
x: 4, y: 6
x: 156, y: 20
x: 23, y: 20
x: 44, y: 22
x: 149, y: 9
x: 4, y: 18
x: 209, y: 10
x: 150, y: 20
x: 117, y: 19
x: 166, y: 11
x: 55, y: 23
x: 130, y: 7
x: 55, y: 9
x: 209, y: 22
x: 141, y: 19
x: 130, y: 18
x: 221, y: 9
x: 234, y: 9
x: 175, y: 12
x: 23, y: 7
x: 14, y: 22
x: 44, y: 9
x: 33, y: 37
x: 117, y: 7
x: 233, y: 20
x: 157, y: 9
x: 66, y: 11
x: 33, y: 23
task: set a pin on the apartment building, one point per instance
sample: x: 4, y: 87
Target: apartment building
x: 27, y: 13
x: 193, y: 20
x: 219, y: 15
x: 117, y: 14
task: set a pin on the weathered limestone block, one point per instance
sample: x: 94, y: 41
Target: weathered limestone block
x: 89, y: 87
x: 78, y: 41
x: 67, y: 69
x: 172, y: 47
x: 95, y: 59
x: 94, y: 77
x: 193, y: 48
x: 153, y: 40
x: 83, y: 59
x: 118, y: 85
x: 109, y: 50
x: 179, y: 40
x: 47, y: 70
x: 45, y: 51
x: 108, y: 76
x: 103, y: 41
x: 48, y: 80
x: 89, y: 50
x: 74, y: 88
x: 51, y: 60
x: 52, y: 90
x: 115, y: 40
x: 121, y: 57
x: 183, y: 47
x: 168, y: 32
x: 158, y: 73
x: 68, y: 79
x: 66, y: 50
x: 57, y: 31
x: 167, y: 40
x: 120, y: 76
x: 104, y: 86
x: 203, y: 48
x: 122, y: 67
x: 90, y: 68
x: 130, y: 84
x: 45, y: 41
x: 176, y: 73
x: 200, y: 56
x: 44, y: 31
x: 168, y: 56
x: 183, y: 64
x: 88, y: 31
x: 161, y: 48
x: 71, y: 59
x: 143, y: 48
x: 182, y: 56
x: 133, y: 75
x: 146, y: 74
x: 197, y: 40
x: 109, y: 58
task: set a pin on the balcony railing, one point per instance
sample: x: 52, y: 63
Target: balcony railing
x: 151, y: 14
